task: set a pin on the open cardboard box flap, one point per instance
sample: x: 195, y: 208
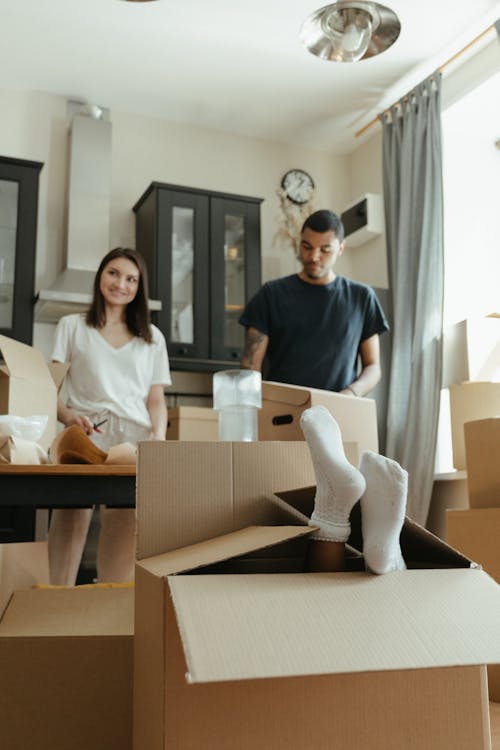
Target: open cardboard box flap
x: 24, y: 362
x: 226, y: 547
x: 27, y: 386
x: 237, y: 627
x: 58, y: 372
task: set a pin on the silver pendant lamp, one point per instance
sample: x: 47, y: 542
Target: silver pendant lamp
x: 350, y: 31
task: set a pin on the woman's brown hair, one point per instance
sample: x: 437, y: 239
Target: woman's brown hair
x: 137, y: 316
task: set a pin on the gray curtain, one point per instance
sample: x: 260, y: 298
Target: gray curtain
x: 412, y: 179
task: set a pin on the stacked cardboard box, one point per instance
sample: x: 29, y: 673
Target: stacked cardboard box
x: 192, y: 423
x: 470, y: 402
x: 279, y: 418
x: 472, y: 376
x: 236, y: 647
x: 65, y: 659
x: 476, y: 530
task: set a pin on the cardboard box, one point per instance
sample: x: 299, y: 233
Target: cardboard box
x: 66, y: 659
x: 195, y: 423
x: 476, y: 533
x: 27, y: 386
x: 482, y: 451
x: 210, y: 488
x: 282, y: 405
x: 224, y: 658
x: 472, y: 350
x: 469, y: 402
x: 449, y: 490
x: 192, y: 423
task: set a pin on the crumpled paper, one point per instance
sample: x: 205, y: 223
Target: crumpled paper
x: 16, y: 450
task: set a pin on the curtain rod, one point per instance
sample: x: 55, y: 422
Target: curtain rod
x: 439, y: 70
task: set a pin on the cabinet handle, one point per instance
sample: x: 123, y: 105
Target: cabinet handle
x: 235, y: 355
x: 282, y: 419
x: 183, y: 350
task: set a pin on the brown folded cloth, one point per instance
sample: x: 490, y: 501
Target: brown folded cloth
x: 73, y: 446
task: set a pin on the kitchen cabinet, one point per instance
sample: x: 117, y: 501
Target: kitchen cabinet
x: 18, y: 223
x: 202, y: 250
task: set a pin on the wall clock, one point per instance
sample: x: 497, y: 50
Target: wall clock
x: 298, y: 186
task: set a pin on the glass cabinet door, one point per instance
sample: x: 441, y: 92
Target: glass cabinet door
x: 202, y: 250
x: 9, y: 198
x: 234, y: 226
x: 182, y: 276
x: 182, y: 268
x: 18, y: 224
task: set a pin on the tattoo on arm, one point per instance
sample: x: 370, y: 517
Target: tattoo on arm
x: 253, y: 341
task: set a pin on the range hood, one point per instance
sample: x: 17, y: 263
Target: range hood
x: 88, y: 212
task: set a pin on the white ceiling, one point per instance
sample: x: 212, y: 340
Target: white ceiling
x: 225, y: 64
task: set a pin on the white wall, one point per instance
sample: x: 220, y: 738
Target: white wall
x: 368, y: 261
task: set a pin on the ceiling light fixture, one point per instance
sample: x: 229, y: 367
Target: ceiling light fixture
x: 350, y: 31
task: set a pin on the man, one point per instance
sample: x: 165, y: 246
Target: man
x: 313, y: 325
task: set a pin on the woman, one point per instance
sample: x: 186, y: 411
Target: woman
x: 115, y: 392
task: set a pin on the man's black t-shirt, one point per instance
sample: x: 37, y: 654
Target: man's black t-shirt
x: 314, y: 330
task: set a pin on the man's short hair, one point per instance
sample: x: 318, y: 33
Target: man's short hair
x: 325, y: 221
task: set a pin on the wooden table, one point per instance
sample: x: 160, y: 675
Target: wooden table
x: 66, y: 486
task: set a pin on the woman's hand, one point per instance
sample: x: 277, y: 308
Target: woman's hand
x: 83, y: 422
x: 70, y: 417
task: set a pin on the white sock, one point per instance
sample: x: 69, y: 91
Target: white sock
x: 339, y: 485
x: 382, y: 512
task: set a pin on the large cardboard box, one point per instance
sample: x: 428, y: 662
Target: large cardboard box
x: 232, y: 652
x: 282, y: 405
x: 198, y: 490
x: 65, y: 659
x: 482, y: 451
x: 476, y: 533
x: 27, y: 386
x: 196, y: 423
x: 192, y: 423
x: 472, y: 350
x: 469, y: 402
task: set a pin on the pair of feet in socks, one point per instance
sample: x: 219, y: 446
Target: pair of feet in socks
x: 380, y: 483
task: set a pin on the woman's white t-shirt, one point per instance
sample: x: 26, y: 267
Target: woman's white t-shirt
x: 104, y: 381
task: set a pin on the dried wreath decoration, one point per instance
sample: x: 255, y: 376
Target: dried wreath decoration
x: 290, y: 220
